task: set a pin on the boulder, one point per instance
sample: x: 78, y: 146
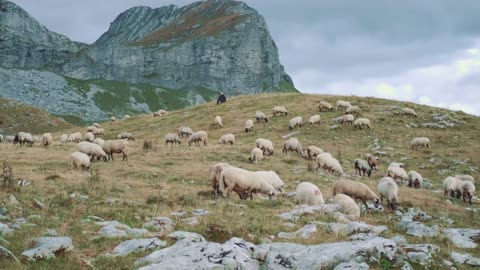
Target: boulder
x: 48, y: 247
x: 137, y: 245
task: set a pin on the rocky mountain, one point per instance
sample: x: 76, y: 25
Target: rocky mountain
x: 168, y: 57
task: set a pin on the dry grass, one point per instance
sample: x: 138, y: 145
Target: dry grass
x: 175, y: 178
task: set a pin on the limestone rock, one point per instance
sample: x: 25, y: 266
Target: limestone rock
x: 137, y: 245
x: 48, y: 247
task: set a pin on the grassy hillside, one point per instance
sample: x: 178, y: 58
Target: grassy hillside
x: 164, y: 179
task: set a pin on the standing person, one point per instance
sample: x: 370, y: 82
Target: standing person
x: 221, y: 98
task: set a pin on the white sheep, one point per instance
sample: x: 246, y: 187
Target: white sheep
x: 97, y: 125
x: 265, y: 145
x: 126, y: 116
x: 184, y: 131
x: 372, y: 161
x: 261, y: 117
x: 2, y: 140
x: 362, y: 123
x: 356, y: 190
x: 450, y: 186
x: 256, y: 155
x: 197, y: 137
x: 113, y: 119
x: 75, y: 137
x: 273, y: 179
x: 342, y: 105
x: 99, y: 132
x: 465, y: 177
x: 47, y: 139
x: 293, y: 144
x: 313, y: 151
x: 349, y: 206
x: 215, y: 172
x: 249, y: 125
x: 63, y: 137
x: 314, y: 119
x: 9, y: 139
x: 156, y: 114
x: 218, y: 121
x: 99, y: 141
x: 242, y: 181
x: 172, y: 138
x: 227, y: 139
x: 126, y: 136
x: 420, y: 142
x: 89, y: 137
x: 355, y: 110
x: 387, y: 188
x: 91, y: 149
x: 333, y: 166
x: 308, y: 193
x: 79, y: 160
x: 459, y: 187
x: 322, y: 160
x: 408, y: 112
x: 279, y: 110
x: 295, y: 122
x: 91, y: 128
x: 345, y: 119
x: 468, y: 190
x: 397, y: 173
x: 414, y: 179
x: 362, y: 165
x: 116, y: 147
x: 323, y: 105
x: 24, y: 138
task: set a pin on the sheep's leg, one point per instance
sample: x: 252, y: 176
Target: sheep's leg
x: 470, y: 198
x: 366, y: 206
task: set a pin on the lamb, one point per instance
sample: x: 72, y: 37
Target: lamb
x: 197, y: 137
x: 116, y: 147
x: 172, y: 138
x: 249, y: 125
x: 89, y: 137
x: 227, y: 139
x: 342, y: 105
x: 372, y: 161
x: 261, y: 117
x: 356, y: 190
x: 9, y: 139
x: 420, y: 142
x: 313, y: 151
x: 218, y: 121
x: 387, y: 188
x: 279, y: 110
x: 126, y: 136
x: 184, y: 131
x: 308, y: 193
x: 293, y: 144
x: 92, y: 149
x: 450, y: 186
x: 349, y: 206
x: 361, y: 123
x: 408, y: 112
x: 362, y: 166
x: 215, y: 175
x: 414, y: 179
x: 113, y: 119
x: 314, y: 119
x: 79, y: 160
x: 99, y: 141
x: 397, y: 173
x: 256, y: 155
x: 355, y: 110
x: 99, y: 132
x: 265, y: 145
x: 465, y: 177
x: 323, y: 105
x: 243, y: 181
x: 47, y: 139
x: 468, y: 190
x: 294, y: 122
x: 75, y: 137
x: 63, y: 137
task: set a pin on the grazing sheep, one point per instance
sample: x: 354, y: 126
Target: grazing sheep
x: 37, y: 138
x: 113, y: 119
x: 308, y: 193
x: 99, y: 141
x: 333, y: 166
x: 356, y: 190
x: 349, y: 206
x: 323, y: 105
x: 184, y: 132
x: 313, y: 151
x: 116, y: 147
x: 397, y: 173
x: 47, y: 139
x: 414, y: 179
x: 294, y: 122
x: 273, y: 179
x: 372, y: 161
x: 459, y: 187
x: 279, y: 110
x: 396, y: 164
x: 265, y: 145
x: 24, y: 138
x: 162, y: 112
x: 126, y: 116
x: 172, y: 138
x: 346, y: 119
x: 420, y: 142
x: 9, y: 139
x: 314, y: 119
x: 322, y: 160
x: 215, y: 175
x: 465, y: 177
x: 2, y: 140
x: 197, y: 137
x: 362, y: 123
x: 126, y: 136
x: 156, y: 114
x: 91, y: 128
x: 92, y: 149
x: 355, y: 110
x: 293, y: 144
x: 249, y: 125
x: 218, y: 121
x: 96, y: 125
x: 256, y: 155
x: 64, y: 138
x: 388, y: 188
x: 243, y: 181
x: 261, y: 117
x: 227, y: 139
x: 79, y: 160
x: 342, y: 105
x: 468, y: 190
x: 89, y: 137
x: 408, y: 112
x: 362, y: 166
x: 99, y: 132
x: 450, y: 186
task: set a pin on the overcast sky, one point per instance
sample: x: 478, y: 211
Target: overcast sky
x: 424, y: 51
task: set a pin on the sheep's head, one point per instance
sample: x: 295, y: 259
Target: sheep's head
x: 393, y: 204
x: 272, y: 193
x: 376, y: 203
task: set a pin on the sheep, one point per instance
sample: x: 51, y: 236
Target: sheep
x: 397, y: 173
x: 227, y: 139
x: 126, y: 136
x: 126, y: 116
x: 37, y: 138
x: 293, y: 144
x: 9, y: 139
x: 156, y: 114
x: 346, y: 119
x: 468, y: 190
x: 396, y: 164
x: 89, y: 137
x: 215, y: 172
x: 261, y: 117
x: 294, y: 122
x: 314, y: 119
x: 265, y: 145
x: 162, y: 112
x: 372, y: 161
x: 308, y: 193
x: 323, y: 105
x: 47, y: 139
x: 113, y: 119
x: 63, y: 137
x: 248, y: 125
x: 355, y: 110
x: 356, y: 190
x: 24, y: 138
x: 116, y: 147
x: 343, y: 105
x: 96, y: 125
x: 197, y: 137
x: 420, y: 142
x: 322, y: 160
x: 333, y: 166
x: 362, y: 166
x: 450, y: 185
x: 91, y: 128
x: 408, y: 112
x: 361, y: 123
x: 99, y: 141
x: 256, y: 155
x: 91, y: 149
x: 218, y: 121
x: 79, y: 160
x: 75, y: 137
x: 414, y: 179
x: 279, y: 110
x: 172, y: 138
x: 243, y: 181
x: 465, y: 177
x: 99, y: 132
x: 2, y: 140
x: 184, y: 131
x: 387, y: 188
x: 459, y: 188
x: 349, y: 206
x: 313, y: 151
x: 273, y: 179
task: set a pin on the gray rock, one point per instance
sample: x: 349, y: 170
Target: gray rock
x: 399, y: 240
x: 12, y: 200
x: 192, y: 237
x: 137, y: 245
x: 464, y: 258
x: 305, y: 232
x: 111, y: 231
x: 352, y: 266
x: 163, y: 225
x: 420, y: 253
x: 305, y: 209
x: 178, y: 214
x: 5, y: 230
x: 47, y: 247
x: 462, y: 238
x: 191, y: 221
x: 340, y: 229
x: 200, y: 212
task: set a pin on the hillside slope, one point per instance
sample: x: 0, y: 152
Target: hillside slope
x: 164, y: 179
